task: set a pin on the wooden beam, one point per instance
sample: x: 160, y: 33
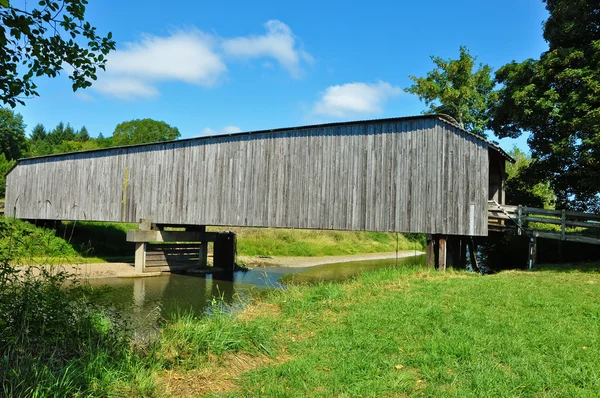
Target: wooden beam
x: 462, y: 261
x: 170, y: 236
x: 430, y: 251
x: 442, y: 246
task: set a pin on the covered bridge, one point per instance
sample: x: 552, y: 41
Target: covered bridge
x: 418, y: 174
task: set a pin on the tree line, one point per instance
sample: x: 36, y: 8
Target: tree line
x: 64, y: 138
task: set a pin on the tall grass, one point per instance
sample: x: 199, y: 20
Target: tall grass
x: 308, y: 243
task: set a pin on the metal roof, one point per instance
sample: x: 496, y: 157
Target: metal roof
x: 442, y: 118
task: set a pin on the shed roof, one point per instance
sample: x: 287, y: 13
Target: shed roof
x: 442, y: 118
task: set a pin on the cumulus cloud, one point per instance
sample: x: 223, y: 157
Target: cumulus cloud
x: 194, y: 57
x: 135, y: 70
x: 279, y: 42
x: 355, y: 98
x: 224, y: 130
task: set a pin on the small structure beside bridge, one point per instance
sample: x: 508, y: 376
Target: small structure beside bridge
x: 420, y: 174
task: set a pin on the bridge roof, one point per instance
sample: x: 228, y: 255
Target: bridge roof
x: 442, y: 118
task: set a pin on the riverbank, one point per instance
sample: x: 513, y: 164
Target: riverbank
x: 398, y: 331
x: 127, y: 270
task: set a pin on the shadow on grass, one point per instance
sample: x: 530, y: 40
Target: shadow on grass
x: 106, y: 241
x: 590, y: 267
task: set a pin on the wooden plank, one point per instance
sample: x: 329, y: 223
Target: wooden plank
x: 542, y: 220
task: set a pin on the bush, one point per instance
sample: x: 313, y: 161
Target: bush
x: 51, y: 331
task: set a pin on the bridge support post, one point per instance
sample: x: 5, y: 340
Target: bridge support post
x: 462, y: 258
x: 442, y: 251
x: 140, y: 257
x: 430, y: 251
x: 224, y: 253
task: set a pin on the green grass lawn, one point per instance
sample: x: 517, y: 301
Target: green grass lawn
x: 404, y: 332
x: 309, y: 243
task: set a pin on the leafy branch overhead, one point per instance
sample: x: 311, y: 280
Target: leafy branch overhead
x: 454, y: 88
x: 42, y: 41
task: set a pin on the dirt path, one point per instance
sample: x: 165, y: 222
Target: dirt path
x: 313, y: 261
x: 127, y: 270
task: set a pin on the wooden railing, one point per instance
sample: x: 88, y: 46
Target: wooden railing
x: 572, y: 226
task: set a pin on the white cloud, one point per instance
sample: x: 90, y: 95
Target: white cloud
x: 279, y: 43
x: 355, y: 98
x: 183, y: 56
x: 125, y: 87
x: 194, y: 57
x: 224, y: 130
x: 83, y: 96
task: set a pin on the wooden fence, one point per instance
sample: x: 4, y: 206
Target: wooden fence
x: 571, y: 226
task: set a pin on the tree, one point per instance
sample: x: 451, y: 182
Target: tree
x: 518, y: 187
x: 57, y: 135
x: 5, y: 166
x: 82, y: 135
x: 143, y: 131
x: 43, y: 40
x: 557, y: 99
x: 38, y: 133
x: 455, y: 89
x: 12, y: 134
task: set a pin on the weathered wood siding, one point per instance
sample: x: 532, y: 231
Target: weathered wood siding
x: 405, y: 175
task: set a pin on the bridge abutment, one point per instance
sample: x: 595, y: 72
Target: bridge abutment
x: 181, y: 249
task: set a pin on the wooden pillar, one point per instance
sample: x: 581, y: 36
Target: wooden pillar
x: 430, y: 251
x: 462, y: 259
x: 224, y: 251
x: 442, y: 246
x: 140, y: 257
x: 203, y: 249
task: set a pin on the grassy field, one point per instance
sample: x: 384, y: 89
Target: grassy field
x: 400, y: 332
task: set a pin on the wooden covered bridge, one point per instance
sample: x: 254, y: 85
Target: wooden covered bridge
x: 421, y: 174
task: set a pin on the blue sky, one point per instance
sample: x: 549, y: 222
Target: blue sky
x: 212, y: 67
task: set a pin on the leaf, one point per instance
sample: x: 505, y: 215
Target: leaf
x: 4, y: 3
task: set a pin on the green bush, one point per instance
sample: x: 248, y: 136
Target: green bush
x: 20, y: 239
x: 53, y: 336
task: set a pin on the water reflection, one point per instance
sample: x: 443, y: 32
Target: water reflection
x: 147, y: 302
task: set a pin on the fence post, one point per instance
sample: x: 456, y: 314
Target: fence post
x: 564, y: 225
x: 519, y: 221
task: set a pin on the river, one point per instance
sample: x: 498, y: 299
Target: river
x: 147, y: 302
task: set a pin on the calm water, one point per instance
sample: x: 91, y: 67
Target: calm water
x: 147, y: 302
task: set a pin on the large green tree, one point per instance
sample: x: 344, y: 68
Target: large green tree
x: 13, y: 143
x: 42, y: 38
x: 455, y: 88
x: 141, y: 131
x: 519, y: 188
x: 556, y: 98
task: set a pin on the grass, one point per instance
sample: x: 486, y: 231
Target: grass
x: 405, y: 331
x: 310, y: 243
x: 411, y: 331
x: 96, y: 242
